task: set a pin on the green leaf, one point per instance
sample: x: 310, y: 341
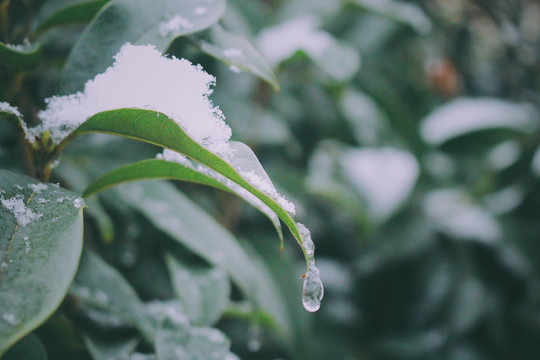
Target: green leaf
x: 235, y: 51
x: 156, y: 128
x: 177, y: 340
x: 20, y: 58
x: 40, y: 246
x: 138, y: 22
x: 79, y: 12
x: 192, y: 227
x: 203, y: 292
x: 400, y: 11
x: 110, y: 347
x: 12, y: 115
x: 100, y: 286
x: 162, y: 169
x: 29, y: 348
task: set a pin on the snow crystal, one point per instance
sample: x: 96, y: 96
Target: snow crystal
x: 78, y: 202
x: 200, y: 10
x: 37, y: 188
x: 302, y: 33
x: 25, y: 46
x: 10, y: 319
x: 235, y: 69
x: 174, y: 26
x: 16, y: 206
x: 234, y: 53
x: 269, y: 189
x: 4, y: 106
x: 141, y: 78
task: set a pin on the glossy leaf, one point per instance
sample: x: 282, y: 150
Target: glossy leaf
x: 78, y: 12
x: 156, y: 128
x: 203, y: 292
x: 40, y: 246
x: 20, y: 58
x: 162, y: 169
x: 236, y: 52
x: 138, y: 22
x: 192, y: 227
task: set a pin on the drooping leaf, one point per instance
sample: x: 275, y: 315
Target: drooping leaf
x: 177, y: 340
x: 400, y: 11
x: 28, y: 348
x: 235, y: 51
x: 192, y: 227
x: 156, y: 128
x: 21, y: 57
x: 81, y: 11
x: 100, y: 286
x: 203, y: 292
x: 163, y: 169
x: 40, y: 246
x: 138, y: 22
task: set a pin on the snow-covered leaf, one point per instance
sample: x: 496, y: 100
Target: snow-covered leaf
x: 142, y: 22
x: 40, y: 239
x: 463, y: 116
x: 236, y: 52
x: 12, y: 114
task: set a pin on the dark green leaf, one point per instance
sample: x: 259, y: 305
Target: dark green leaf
x: 12, y: 115
x: 138, y: 22
x: 156, y: 128
x: 40, y: 246
x: 78, y: 12
x: 20, y: 59
x: 29, y: 348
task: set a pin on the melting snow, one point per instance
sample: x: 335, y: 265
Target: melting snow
x: 17, y: 207
x: 78, y: 202
x: 141, y: 78
x: 37, y: 188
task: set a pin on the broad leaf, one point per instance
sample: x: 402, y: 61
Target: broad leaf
x: 138, y: 22
x: 41, y: 239
x: 203, y: 292
x: 235, y: 51
x: 192, y: 227
x: 177, y: 340
x: 81, y: 11
x: 156, y: 128
x: 162, y: 169
x: 20, y: 57
x: 29, y: 348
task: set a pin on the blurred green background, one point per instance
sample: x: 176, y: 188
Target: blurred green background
x: 406, y: 132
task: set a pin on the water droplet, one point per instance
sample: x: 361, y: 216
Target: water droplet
x: 313, y: 290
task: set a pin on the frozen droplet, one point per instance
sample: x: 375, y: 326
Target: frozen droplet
x: 313, y: 290
x: 78, y: 202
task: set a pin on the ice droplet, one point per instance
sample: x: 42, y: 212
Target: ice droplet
x: 313, y: 290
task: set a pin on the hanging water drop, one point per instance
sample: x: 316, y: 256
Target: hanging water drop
x: 313, y: 290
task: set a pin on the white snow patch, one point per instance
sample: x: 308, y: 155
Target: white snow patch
x: 174, y: 26
x: 384, y: 177
x: 453, y: 213
x: 10, y: 319
x: 141, y: 78
x: 200, y: 10
x: 234, y: 53
x: 282, y: 41
x: 465, y: 115
x: 78, y: 202
x: 6, y: 107
x: 37, y: 188
x: 16, y: 206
